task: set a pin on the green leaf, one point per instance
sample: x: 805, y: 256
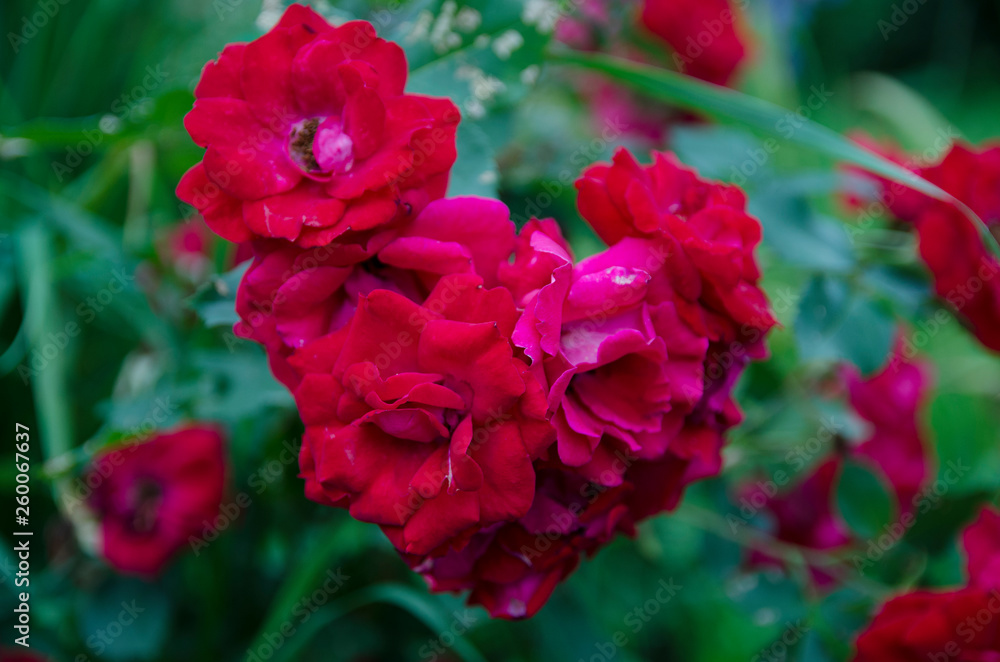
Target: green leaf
x: 215, y: 301
x: 475, y: 171
x: 800, y: 235
x: 125, y: 619
x: 480, y: 54
x: 965, y: 429
x: 837, y: 324
x: 724, y: 103
x: 863, y: 500
x: 42, y: 316
x: 414, y: 602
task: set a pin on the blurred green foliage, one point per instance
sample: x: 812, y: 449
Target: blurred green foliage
x: 91, y: 147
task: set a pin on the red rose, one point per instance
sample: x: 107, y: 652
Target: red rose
x: 511, y: 569
x: 420, y: 418
x: 981, y: 541
x: 150, y: 497
x: 697, y: 231
x: 965, y: 271
x: 917, y: 627
x: 291, y: 295
x: 960, y: 625
x: 891, y: 401
x: 311, y: 138
x: 702, y: 34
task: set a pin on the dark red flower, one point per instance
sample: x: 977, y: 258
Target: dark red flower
x: 959, y: 626
x: 703, y: 35
x: 511, y: 569
x: 150, y: 497
x: 981, y: 541
x: 291, y: 296
x: 697, y: 230
x: 640, y: 345
x: 891, y: 402
x: 965, y: 271
x: 311, y: 138
x: 420, y: 418
x: 805, y: 516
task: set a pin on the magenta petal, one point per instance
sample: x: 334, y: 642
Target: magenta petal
x: 221, y: 78
x: 284, y: 215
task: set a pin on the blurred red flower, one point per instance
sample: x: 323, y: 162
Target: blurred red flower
x: 703, y: 35
x: 151, y: 496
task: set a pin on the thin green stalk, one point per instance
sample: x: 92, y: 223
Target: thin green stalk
x: 724, y: 103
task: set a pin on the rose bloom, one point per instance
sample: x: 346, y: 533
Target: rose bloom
x: 512, y: 569
x: 891, y: 402
x: 310, y: 137
x: 150, y: 497
x: 954, y: 625
x: 291, y: 295
x: 921, y: 626
x: 981, y: 541
x: 702, y: 33
x: 420, y: 418
x: 639, y: 346
x: 966, y: 274
x: 625, y: 376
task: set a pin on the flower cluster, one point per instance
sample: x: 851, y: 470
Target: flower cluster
x: 496, y: 407
x: 945, y: 625
x: 964, y: 270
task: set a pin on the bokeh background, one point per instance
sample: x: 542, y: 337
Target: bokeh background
x: 91, y: 148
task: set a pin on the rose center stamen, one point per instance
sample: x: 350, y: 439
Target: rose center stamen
x: 300, y: 144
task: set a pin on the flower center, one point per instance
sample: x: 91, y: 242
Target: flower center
x: 321, y: 146
x: 144, y: 505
